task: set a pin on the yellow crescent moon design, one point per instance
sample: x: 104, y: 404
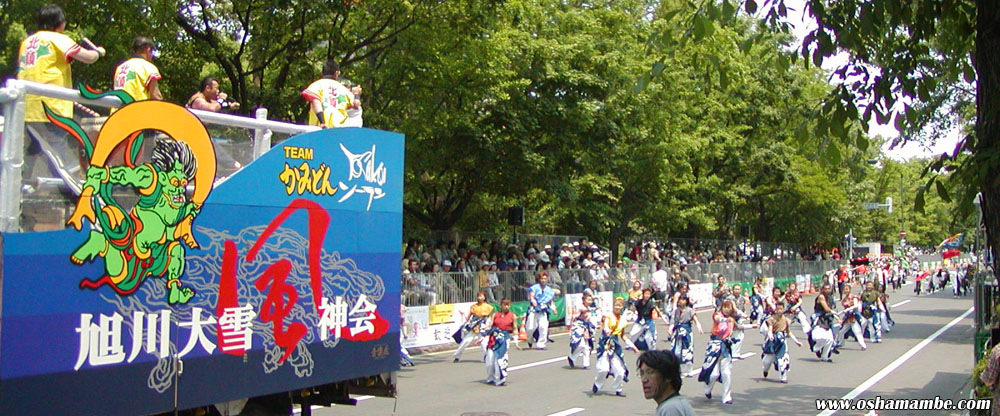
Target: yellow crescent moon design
x: 173, y: 120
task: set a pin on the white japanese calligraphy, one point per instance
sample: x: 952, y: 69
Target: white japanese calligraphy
x: 100, y: 344
x: 333, y: 318
x: 362, y: 166
x: 363, y: 323
x: 237, y: 328
x: 197, y: 333
x: 155, y: 328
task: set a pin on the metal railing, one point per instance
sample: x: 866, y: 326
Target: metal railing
x: 456, y: 287
x: 690, y: 247
x: 50, y: 198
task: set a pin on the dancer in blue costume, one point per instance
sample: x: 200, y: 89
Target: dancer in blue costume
x: 581, y: 335
x: 871, y: 311
x: 643, y: 332
x: 718, y: 365
x: 610, y: 350
x: 775, y: 346
x: 503, y: 331
x: 683, y: 340
x: 822, y: 339
x: 757, y: 301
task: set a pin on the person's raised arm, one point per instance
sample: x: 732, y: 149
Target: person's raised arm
x: 317, y: 108
x: 88, y: 56
x: 154, y: 89
x: 200, y: 103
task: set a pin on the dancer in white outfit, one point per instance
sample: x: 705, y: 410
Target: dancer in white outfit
x: 821, y: 338
x: 776, y: 345
x: 479, y: 316
x: 852, y: 319
x: 540, y: 297
x: 718, y: 365
x: 610, y: 354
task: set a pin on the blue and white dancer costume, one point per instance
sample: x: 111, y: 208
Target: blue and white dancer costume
x: 738, y: 334
x: 821, y: 338
x: 793, y: 299
x: 718, y: 365
x: 643, y: 332
x: 872, y: 313
x: 756, y: 305
x: 775, y: 351
x: 581, y: 338
x: 683, y: 338
x: 610, y: 351
x: 884, y: 315
x: 852, y: 319
x: 479, y: 315
x: 497, y: 337
x: 540, y: 303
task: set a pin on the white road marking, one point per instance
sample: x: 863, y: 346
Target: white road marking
x: 568, y: 412
x: 536, y: 364
x: 898, y: 362
x: 747, y: 355
x: 902, y: 303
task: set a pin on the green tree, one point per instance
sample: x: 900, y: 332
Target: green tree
x: 903, y: 58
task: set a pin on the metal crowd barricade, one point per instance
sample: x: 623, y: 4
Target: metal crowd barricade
x: 420, y: 289
x: 748, y: 271
x: 691, y: 246
x: 238, y: 140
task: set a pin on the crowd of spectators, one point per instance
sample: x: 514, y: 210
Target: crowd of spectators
x: 678, y: 252
x: 450, y: 272
x: 447, y: 272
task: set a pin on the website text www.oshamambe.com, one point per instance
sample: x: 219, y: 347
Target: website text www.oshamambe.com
x: 878, y: 403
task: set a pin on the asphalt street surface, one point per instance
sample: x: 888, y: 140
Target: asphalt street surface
x: 928, y: 354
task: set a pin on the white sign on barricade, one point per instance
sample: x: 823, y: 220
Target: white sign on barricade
x: 768, y: 286
x: 802, y: 283
x: 433, y: 325
x: 701, y: 295
x: 606, y: 302
x: 416, y: 328
x: 574, y: 302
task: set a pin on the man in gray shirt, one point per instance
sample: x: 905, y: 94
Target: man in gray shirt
x: 661, y: 381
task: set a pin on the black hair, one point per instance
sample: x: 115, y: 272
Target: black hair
x: 167, y: 152
x: 50, y: 17
x: 206, y: 82
x: 330, y: 67
x: 140, y: 43
x: 665, y: 363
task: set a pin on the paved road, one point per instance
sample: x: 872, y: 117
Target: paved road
x: 927, y: 354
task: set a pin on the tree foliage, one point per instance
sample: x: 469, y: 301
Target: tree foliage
x: 603, y: 118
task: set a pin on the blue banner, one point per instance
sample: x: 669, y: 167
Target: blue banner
x: 284, y: 276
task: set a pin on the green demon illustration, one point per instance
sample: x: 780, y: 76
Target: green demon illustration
x: 161, y: 217
x: 150, y: 239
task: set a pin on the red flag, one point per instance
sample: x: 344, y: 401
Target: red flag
x: 947, y: 254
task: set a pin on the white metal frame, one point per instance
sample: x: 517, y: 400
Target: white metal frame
x: 12, y: 98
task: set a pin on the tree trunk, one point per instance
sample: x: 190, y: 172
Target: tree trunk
x: 987, y: 63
